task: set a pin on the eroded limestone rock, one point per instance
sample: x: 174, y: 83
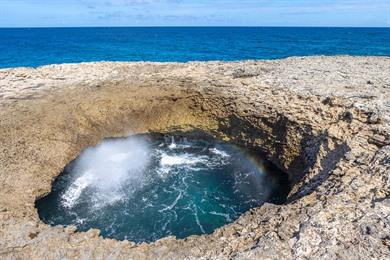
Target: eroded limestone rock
x: 317, y: 118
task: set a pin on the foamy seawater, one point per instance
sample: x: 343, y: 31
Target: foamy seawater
x: 144, y: 188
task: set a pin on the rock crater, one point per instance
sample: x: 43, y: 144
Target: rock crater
x: 322, y: 120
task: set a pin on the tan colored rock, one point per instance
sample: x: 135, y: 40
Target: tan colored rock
x: 317, y: 118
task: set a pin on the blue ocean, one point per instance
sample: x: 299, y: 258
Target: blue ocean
x: 41, y: 46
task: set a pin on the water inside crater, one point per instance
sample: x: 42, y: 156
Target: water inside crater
x: 146, y: 187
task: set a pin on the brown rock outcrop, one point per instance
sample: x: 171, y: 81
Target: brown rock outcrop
x: 323, y: 120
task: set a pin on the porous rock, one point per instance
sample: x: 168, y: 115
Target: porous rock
x: 289, y: 109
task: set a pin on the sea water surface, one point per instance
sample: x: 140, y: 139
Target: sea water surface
x: 41, y: 46
x: 144, y: 188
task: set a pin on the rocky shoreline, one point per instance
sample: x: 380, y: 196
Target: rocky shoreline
x: 323, y: 120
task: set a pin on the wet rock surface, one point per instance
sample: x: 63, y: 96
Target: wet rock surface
x: 323, y: 120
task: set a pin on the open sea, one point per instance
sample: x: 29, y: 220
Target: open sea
x: 41, y: 46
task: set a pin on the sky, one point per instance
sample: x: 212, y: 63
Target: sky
x: 75, y: 13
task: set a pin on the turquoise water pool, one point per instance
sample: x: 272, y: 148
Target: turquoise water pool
x: 144, y: 188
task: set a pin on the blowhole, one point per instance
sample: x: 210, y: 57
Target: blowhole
x: 146, y: 187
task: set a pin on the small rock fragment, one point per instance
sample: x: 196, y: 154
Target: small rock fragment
x: 379, y: 140
x: 374, y: 118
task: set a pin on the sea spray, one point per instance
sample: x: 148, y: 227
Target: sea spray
x: 105, y: 168
x: 143, y: 188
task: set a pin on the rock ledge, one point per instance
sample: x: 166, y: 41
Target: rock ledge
x: 323, y: 120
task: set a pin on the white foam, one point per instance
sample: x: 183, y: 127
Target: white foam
x: 226, y: 216
x: 105, y: 168
x: 71, y: 195
x: 181, y: 159
x: 219, y: 152
x: 170, y: 207
x: 173, y: 144
x: 197, y: 219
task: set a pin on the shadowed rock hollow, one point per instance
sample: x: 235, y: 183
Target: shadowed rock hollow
x: 322, y: 120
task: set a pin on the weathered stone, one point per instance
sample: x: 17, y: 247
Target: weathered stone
x: 379, y: 140
x: 289, y: 109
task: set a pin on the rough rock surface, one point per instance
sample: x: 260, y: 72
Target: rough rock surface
x: 324, y: 120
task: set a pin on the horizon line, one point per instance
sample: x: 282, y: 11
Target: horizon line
x: 192, y: 26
